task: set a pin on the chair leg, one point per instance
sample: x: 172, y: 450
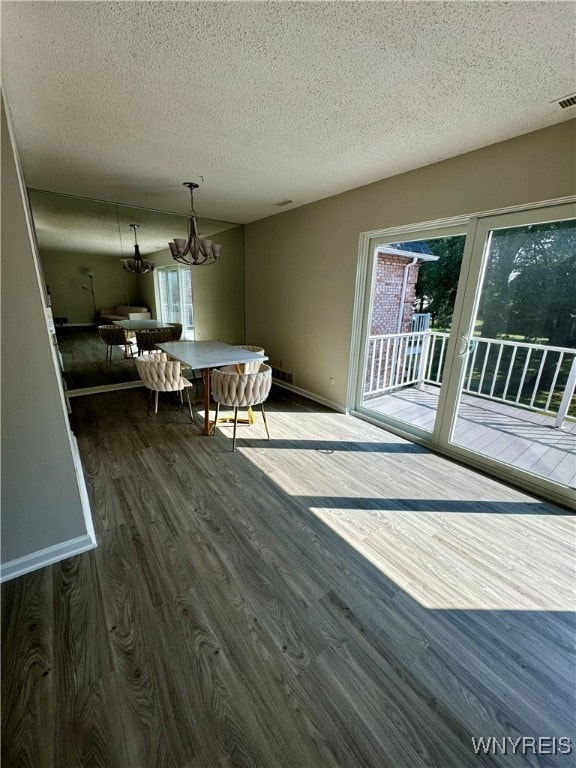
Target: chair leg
x: 155, y: 406
x: 149, y: 401
x: 213, y: 430
x: 264, y: 418
x: 189, y: 406
x: 235, y: 425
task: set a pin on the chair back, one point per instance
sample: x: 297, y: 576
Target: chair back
x: 241, y: 389
x: 146, y: 339
x: 254, y: 366
x: 112, y: 335
x: 160, y: 374
x: 175, y: 331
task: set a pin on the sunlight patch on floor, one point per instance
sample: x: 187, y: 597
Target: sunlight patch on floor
x: 450, y: 560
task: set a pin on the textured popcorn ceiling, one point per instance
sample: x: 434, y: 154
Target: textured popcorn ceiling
x: 124, y: 101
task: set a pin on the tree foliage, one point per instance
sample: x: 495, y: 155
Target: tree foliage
x: 529, y: 287
x: 530, y: 284
x: 438, y: 280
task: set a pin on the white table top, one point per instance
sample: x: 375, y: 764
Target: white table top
x: 208, y: 354
x: 140, y: 325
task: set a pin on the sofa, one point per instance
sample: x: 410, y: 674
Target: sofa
x: 123, y: 312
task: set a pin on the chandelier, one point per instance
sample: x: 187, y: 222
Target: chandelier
x: 194, y: 251
x: 137, y: 264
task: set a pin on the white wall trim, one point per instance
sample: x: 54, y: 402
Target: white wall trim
x: 104, y: 388
x: 310, y: 395
x: 84, y: 499
x: 44, y: 557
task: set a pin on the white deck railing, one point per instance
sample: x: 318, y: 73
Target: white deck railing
x: 532, y: 376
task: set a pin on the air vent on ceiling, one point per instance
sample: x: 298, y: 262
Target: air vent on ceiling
x: 567, y: 101
x: 280, y: 203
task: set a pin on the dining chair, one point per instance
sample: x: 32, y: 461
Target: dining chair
x: 175, y: 331
x: 115, y: 336
x: 240, y: 390
x: 162, y: 375
x: 147, y: 338
x: 190, y: 373
x: 252, y: 367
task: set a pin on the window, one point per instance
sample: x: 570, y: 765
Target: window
x: 174, y: 297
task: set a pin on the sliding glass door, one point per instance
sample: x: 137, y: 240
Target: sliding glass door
x: 482, y: 360
x: 411, y: 286
x: 516, y: 352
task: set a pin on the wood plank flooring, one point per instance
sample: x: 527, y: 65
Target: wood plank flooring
x: 335, y: 597
x: 84, y: 359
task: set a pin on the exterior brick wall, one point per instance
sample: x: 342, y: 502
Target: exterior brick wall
x: 386, y: 301
x: 387, y: 294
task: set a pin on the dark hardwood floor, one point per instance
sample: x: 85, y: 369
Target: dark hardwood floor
x: 84, y: 359
x: 335, y: 597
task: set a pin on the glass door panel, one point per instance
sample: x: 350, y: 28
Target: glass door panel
x: 517, y: 355
x: 413, y: 286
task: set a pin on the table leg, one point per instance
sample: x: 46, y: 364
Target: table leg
x: 206, y: 379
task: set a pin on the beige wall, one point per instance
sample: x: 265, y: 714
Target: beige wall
x: 66, y: 272
x: 301, y: 264
x: 41, y: 495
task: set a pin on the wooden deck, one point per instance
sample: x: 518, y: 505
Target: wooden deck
x: 524, y: 439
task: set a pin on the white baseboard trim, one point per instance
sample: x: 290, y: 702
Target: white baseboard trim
x: 104, y: 388
x: 77, y: 325
x: 80, y: 479
x: 311, y: 396
x: 44, y: 557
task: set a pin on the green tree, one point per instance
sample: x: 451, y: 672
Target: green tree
x: 530, y: 284
x: 438, y: 280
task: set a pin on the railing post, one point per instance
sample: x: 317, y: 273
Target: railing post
x: 566, y: 397
x: 423, y: 359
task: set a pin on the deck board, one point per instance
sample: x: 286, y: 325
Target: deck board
x: 524, y: 439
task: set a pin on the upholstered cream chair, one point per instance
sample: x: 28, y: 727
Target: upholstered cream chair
x: 115, y: 336
x: 241, y: 390
x: 253, y: 367
x: 162, y: 375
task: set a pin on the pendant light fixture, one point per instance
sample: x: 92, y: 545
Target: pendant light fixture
x: 194, y: 251
x: 137, y: 264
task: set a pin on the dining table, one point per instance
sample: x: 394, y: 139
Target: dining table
x: 205, y: 355
x: 140, y: 325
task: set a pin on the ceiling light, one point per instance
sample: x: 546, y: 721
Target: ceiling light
x: 194, y: 251
x: 138, y: 265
